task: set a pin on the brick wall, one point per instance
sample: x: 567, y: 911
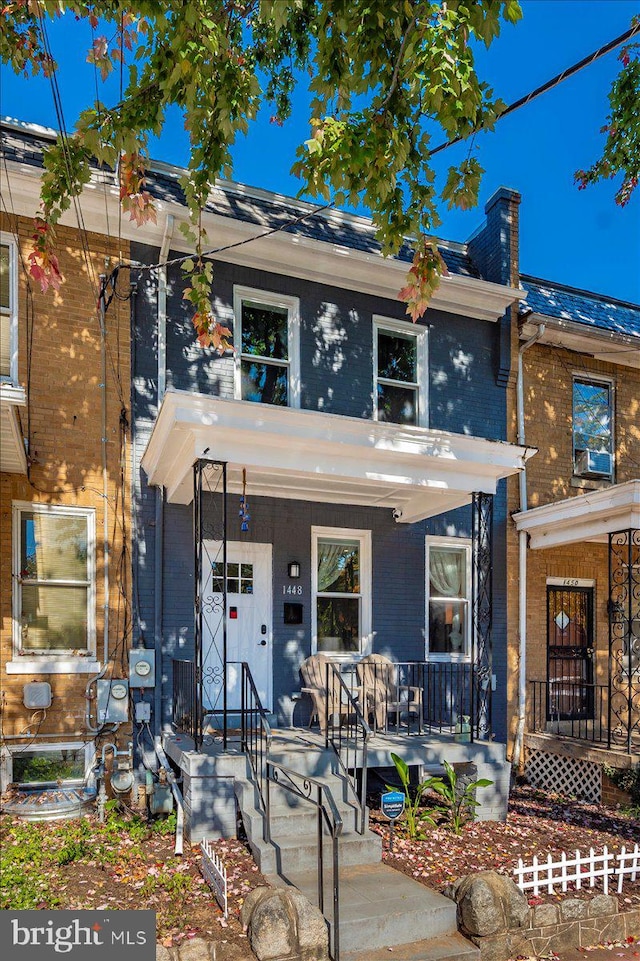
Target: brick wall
x: 548, y: 378
x: 61, y: 339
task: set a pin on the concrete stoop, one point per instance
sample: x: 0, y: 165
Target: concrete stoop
x: 381, y: 910
x: 453, y: 947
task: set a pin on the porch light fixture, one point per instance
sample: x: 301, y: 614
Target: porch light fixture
x: 294, y: 569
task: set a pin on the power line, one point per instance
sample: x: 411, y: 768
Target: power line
x: 550, y: 84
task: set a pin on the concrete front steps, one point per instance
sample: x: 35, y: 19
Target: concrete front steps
x: 383, y: 913
x: 293, y: 820
x: 382, y: 910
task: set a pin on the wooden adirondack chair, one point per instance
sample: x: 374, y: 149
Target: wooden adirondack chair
x: 382, y: 694
x: 314, y: 677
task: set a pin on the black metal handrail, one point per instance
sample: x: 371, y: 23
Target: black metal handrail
x: 347, y: 732
x: 185, y: 697
x: 256, y: 735
x: 571, y: 708
x: 305, y: 787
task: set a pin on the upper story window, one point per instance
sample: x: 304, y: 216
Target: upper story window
x: 448, y: 565
x: 267, y: 340
x: 399, y: 371
x: 592, y: 428
x: 342, y: 590
x: 8, y: 309
x: 54, y: 580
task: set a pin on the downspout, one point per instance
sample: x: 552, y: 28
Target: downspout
x: 159, y: 506
x: 177, y: 794
x: 522, y: 560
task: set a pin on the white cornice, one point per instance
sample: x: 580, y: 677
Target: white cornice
x: 586, y: 517
x: 283, y: 252
x: 606, y: 345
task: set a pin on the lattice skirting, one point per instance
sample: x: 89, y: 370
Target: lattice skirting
x: 565, y: 775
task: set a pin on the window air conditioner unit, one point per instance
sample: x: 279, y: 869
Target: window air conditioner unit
x: 593, y: 463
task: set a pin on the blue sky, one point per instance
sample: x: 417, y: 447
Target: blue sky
x: 580, y: 238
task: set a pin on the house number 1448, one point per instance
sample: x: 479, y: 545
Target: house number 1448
x: 292, y: 589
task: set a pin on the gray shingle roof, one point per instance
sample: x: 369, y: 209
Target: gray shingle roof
x: 581, y: 307
x: 26, y: 146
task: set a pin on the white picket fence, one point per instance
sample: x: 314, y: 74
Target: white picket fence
x: 583, y: 870
x: 215, y: 873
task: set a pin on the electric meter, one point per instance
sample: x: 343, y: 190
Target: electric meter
x: 142, y: 667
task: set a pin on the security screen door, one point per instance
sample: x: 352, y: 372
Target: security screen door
x: 570, y: 647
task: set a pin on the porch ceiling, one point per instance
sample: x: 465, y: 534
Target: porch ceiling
x: 12, y: 456
x: 307, y: 455
x: 588, y: 517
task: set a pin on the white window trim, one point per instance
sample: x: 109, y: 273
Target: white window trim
x: 268, y: 299
x: 422, y: 361
x: 610, y: 383
x: 464, y: 656
x: 10, y: 241
x: 53, y: 662
x: 6, y: 761
x: 366, y: 636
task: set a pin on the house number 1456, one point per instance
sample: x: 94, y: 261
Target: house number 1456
x: 292, y: 589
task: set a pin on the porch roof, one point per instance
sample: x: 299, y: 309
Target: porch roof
x: 587, y: 517
x: 315, y: 456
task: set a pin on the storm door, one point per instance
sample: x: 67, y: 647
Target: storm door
x: 570, y: 648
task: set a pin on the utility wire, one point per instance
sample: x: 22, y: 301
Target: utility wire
x: 528, y: 98
x: 550, y: 84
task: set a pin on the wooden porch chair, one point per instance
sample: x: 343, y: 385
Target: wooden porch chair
x: 314, y: 678
x: 382, y: 694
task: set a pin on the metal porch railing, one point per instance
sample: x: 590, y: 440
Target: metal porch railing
x: 256, y: 738
x: 328, y: 817
x: 418, y: 697
x: 572, y: 709
x: 348, y: 732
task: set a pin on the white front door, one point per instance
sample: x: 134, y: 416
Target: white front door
x: 249, y: 617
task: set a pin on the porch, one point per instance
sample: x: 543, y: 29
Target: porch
x: 215, y: 778
x: 585, y: 713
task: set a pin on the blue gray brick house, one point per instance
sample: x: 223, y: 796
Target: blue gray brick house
x: 335, y: 484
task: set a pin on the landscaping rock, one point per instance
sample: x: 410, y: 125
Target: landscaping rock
x: 282, y: 924
x: 544, y: 914
x: 572, y: 909
x: 163, y: 954
x: 195, y: 950
x: 489, y: 904
x: 603, y: 905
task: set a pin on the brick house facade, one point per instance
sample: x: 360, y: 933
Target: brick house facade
x: 65, y: 614
x: 581, y: 406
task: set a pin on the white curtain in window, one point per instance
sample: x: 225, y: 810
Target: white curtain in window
x: 329, y: 557
x: 446, y: 573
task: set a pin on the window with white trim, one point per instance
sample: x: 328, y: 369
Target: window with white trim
x: 592, y: 427
x: 267, y: 340
x: 8, y: 309
x: 54, y: 580
x: 448, y: 567
x: 341, y: 590
x: 399, y: 372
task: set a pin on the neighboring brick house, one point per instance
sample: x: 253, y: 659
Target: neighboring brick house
x: 65, y: 616
x: 578, y: 514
